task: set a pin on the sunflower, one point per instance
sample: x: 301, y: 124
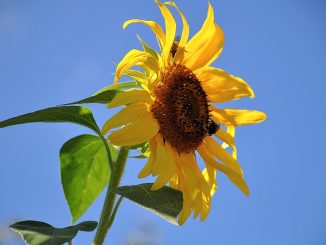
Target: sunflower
x: 173, y: 112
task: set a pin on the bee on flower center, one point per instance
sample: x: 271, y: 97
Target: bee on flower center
x: 212, y: 127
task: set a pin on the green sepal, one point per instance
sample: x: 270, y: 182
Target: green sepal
x: 40, y: 233
x: 165, y: 202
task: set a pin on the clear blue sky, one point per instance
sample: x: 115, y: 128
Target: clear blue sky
x: 53, y: 52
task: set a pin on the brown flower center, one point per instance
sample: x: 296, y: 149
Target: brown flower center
x: 181, y: 109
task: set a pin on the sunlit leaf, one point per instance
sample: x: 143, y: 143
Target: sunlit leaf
x: 40, y: 233
x: 165, y: 202
x: 84, y: 171
x: 73, y: 114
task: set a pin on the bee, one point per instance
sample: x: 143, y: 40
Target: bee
x: 211, y: 127
x: 175, y: 46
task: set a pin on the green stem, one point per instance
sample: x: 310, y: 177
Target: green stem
x: 108, y: 152
x: 105, y: 223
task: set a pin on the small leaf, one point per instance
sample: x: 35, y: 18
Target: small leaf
x: 73, y: 114
x: 165, y: 202
x: 100, y: 98
x: 84, y: 171
x: 40, y: 233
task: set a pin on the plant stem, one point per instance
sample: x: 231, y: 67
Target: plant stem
x: 116, y: 175
x: 108, y: 153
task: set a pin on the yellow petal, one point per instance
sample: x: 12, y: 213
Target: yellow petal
x: 239, y: 182
x: 223, y: 155
x: 170, y: 30
x: 209, y: 21
x: 174, y: 181
x: 152, y: 65
x: 186, y: 210
x: 226, y: 137
x: 209, y: 174
x: 125, y: 116
x: 140, y: 77
x: 156, y: 28
x: 233, y: 176
x: 137, y: 132
x: 236, y: 117
x: 147, y: 170
x: 230, y: 132
x: 191, y: 179
x: 133, y: 57
x: 187, y: 194
x: 206, y: 207
x: 129, y: 97
x: 221, y: 86
x: 202, y: 205
x: 206, y: 45
x: 198, y: 205
x: 184, y: 36
x: 210, y: 49
x: 165, y: 164
x: 189, y: 160
x: 160, y: 147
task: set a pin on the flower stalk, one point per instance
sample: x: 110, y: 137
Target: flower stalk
x: 109, y: 210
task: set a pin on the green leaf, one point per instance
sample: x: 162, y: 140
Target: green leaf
x: 165, y: 202
x: 101, y: 98
x: 73, y: 114
x: 40, y: 233
x: 120, y: 85
x: 84, y: 171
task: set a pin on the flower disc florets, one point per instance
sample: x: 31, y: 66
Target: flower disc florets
x: 181, y: 108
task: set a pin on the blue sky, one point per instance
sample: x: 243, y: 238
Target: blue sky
x: 53, y: 52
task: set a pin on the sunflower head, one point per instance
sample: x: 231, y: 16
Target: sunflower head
x: 173, y: 110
